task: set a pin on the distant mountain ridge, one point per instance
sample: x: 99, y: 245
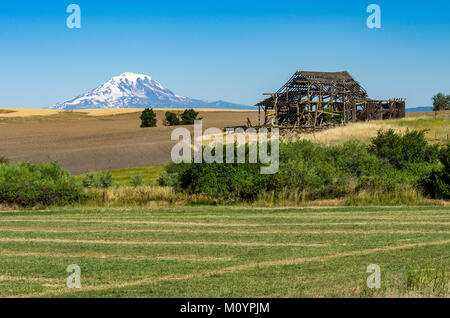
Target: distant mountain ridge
x: 130, y: 90
x: 420, y: 109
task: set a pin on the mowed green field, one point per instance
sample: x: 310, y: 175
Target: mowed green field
x: 221, y: 251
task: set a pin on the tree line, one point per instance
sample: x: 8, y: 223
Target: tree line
x: 148, y: 118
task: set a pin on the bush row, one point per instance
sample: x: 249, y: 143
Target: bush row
x: 391, y: 163
x: 188, y: 117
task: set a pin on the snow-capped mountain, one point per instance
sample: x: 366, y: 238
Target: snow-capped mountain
x: 130, y: 90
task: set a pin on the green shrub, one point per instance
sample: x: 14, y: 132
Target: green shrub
x: 230, y: 181
x: 312, y: 171
x: 221, y: 181
x: 316, y: 171
x: 27, y: 185
x: 148, y: 118
x: 3, y: 161
x: 304, y: 167
x: 437, y: 185
x: 388, y: 181
x: 172, y: 119
x: 105, y: 180
x: 188, y: 117
x: 136, y: 180
x: 400, y: 151
x: 325, y: 172
x: 89, y: 181
x: 169, y: 179
x: 224, y: 181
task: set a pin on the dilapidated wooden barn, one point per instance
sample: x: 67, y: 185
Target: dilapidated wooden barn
x: 314, y: 100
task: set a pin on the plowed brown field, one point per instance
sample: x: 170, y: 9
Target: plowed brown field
x: 83, y: 141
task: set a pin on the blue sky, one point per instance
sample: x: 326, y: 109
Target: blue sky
x: 228, y: 50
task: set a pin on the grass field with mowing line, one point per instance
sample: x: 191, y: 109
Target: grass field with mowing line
x: 225, y: 251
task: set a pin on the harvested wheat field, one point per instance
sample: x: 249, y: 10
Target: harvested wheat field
x: 94, y: 140
x: 105, y: 139
x: 226, y: 252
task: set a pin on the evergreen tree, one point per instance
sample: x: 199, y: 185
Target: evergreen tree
x: 189, y: 116
x: 172, y: 119
x: 148, y: 118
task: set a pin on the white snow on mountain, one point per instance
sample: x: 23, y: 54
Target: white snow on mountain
x: 135, y: 90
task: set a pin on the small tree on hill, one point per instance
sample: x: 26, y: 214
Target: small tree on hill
x: 441, y: 102
x: 172, y: 119
x: 148, y: 118
x: 189, y: 116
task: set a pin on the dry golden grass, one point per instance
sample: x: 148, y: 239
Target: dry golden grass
x: 437, y: 125
x: 154, y: 193
x: 26, y: 112
x: 29, y: 112
x: 166, y: 196
x: 362, y: 131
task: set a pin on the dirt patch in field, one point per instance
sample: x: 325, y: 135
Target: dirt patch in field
x: 82, y: 142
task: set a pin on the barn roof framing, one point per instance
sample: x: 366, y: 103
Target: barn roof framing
x: 308, y: 98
